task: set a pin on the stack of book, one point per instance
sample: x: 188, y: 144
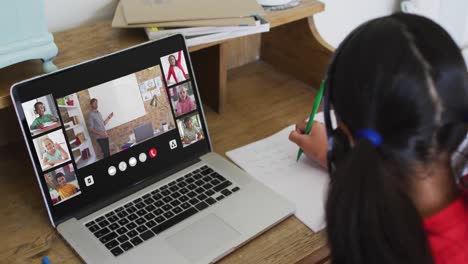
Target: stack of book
x: 200, y: 21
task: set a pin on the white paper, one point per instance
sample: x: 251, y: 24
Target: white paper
x: 149, y: 84
x: 157, y: 91
x: 142, y: 87
x: 273, y: 162
x: 158, y: 82
x: 121, y: 97
x: 147, y: 96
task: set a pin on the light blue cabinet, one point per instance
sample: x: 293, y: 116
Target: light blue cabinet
x: 24, y: 34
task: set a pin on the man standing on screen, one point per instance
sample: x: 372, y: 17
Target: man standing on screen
x: 97, y: 127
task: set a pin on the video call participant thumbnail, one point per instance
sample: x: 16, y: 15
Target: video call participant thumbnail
x: 59, y: 183
x: 176, y: 71
x: 190, y: 133
x: 54, y: 153
x: 38, y: 123
x: 185, y: 103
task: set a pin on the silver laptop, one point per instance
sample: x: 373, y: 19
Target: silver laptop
x: 169, y: 199
x: 143, y: 132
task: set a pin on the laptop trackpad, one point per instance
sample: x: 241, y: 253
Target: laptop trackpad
x: 202, y: 237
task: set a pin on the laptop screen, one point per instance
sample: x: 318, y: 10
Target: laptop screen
x: 95, y: 129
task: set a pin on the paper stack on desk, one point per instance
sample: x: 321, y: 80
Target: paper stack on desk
x: 272, y: 161
x: 200, y: 21
x: 201, y: 35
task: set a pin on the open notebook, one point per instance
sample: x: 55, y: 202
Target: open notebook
x: 272, y: 161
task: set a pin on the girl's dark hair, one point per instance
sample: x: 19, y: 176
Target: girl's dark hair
x: 403, y: 76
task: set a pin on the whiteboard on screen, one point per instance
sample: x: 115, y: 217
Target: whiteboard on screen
x: 120, y: 96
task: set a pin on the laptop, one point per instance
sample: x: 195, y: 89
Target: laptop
x: 169, y: 199
x: 143, y: 132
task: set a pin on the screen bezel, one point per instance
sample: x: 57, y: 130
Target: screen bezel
x: 71, y: 80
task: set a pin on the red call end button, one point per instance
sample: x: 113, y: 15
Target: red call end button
x: 153, y: 152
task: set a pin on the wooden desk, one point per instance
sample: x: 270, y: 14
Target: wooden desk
x: 292, y: 38
x: 36, y: 132
x: 261, y: 101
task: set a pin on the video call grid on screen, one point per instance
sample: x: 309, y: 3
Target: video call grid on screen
x: 182, y: 98
x: 51, y: 148
x: 117, y: 115
x: 165, y: 130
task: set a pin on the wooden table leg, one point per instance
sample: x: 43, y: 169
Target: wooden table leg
x: 297, y: 49
x: 211, y: 73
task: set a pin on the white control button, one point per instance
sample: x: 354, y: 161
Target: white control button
x: 132, y: 162
x: 173, y: 144
x: 112, y: 170
x: 122, y: 166
x: 142, y: 157
x: 89, y: 180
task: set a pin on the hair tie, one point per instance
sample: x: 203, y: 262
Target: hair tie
x: 370, y: 135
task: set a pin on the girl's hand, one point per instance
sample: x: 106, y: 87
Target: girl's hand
x: 314, y: 144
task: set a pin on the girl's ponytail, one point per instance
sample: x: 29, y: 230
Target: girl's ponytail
x: 370, y: 218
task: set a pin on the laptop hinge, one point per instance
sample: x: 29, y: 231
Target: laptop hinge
x: 128, y: 191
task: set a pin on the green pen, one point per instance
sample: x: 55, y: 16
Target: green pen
x: 318, y: 99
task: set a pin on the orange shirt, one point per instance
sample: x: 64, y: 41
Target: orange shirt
x: 66, y: 191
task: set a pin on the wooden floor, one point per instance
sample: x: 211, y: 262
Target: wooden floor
x: 261, y: 101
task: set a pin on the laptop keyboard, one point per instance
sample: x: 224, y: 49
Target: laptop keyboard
x: 141, y: 219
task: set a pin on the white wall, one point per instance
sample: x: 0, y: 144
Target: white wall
x: 122, y: 98
x: 342, y: 16
x: 453, y: 16
x: 65, y: 14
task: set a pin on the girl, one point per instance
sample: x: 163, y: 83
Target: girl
x: 185, y: 104
x: 176, y: 72
x: 399, y: 88
x: 54, y: 153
